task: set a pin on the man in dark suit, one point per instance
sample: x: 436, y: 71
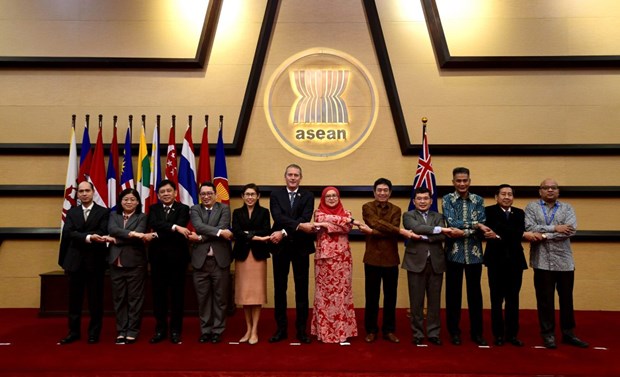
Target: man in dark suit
x: 291, y: 208
x: 168, y: 256
x: 211, y: 257
x: 83, y: 255
x: 425, y: 262
x: 505, y: 263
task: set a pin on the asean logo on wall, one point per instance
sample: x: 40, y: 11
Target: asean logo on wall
x: 321, y: 104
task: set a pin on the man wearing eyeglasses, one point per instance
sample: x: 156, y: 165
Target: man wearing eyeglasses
x: 552, y: 223
x: 211, y: 257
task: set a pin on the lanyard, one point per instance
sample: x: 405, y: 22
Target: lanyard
x: 548, y: 220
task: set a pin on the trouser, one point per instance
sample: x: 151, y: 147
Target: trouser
x: 374, y: 275
x: 454, y: 293
x: 301, y: 270
x: 504, y: 286
x: 91, y: 283
x: 545, y: 284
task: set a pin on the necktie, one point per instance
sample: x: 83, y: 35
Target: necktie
x: 167, y: 211
x: 507, y: 215
x: 86, y: 213
x: 425, y: 215
x: 291, y: 196
x: 125, y: 218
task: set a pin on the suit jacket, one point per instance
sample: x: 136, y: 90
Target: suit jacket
x: 131, y: 251
x: 75, y: 252
x: 207, y: 226
x: 508, y: 249
x: 416, y: 251
x: 169, y: 245
x: 244, y: 228
x: 287, y: 218
x: 382, y: 244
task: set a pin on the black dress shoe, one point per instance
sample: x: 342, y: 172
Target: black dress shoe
x: 93, y: 339
x: 204, y: 338
x: 549, y: 342
x: 278, y: 336
x: 303, y: 338
x: 216, y: 338
x: 479, y: 340
x: 129, y: 340
x: 435, y: 340
x: 456, y: 340
x: 499, y: 341
x: 158, y: 337
x: 574, y: 341
x: 515, y: 342
x: 417, y: 341
x: 175, y: 338
x: 69, y: 339
x: 121, y: 340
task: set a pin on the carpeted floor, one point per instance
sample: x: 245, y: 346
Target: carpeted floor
x: 29, y: 348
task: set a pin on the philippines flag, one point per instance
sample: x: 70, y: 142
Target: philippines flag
x: 220, y: 176
x: 86, y: 155
x: 172, y: 173
x: 127, y: 168
x: 424, y: 175
x: 144, y: 170
x: 155, y: 170
x: 71, y: 181
x: 112, y: 176
x: 97, y: 174
x: 188, y: 189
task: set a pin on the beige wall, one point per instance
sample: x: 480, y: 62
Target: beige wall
x: 463, y: 107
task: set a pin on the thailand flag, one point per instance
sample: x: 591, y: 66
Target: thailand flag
x: 188, y: 189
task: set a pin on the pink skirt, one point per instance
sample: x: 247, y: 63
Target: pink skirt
x: 251, y: 281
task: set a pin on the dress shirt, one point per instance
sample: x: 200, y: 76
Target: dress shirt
x: 465, y: 214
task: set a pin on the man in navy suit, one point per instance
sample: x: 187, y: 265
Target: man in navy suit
x: 291, y: 208
x: 505, y: 263
x: 168, y: 256
x: 83, y: 254
x: 211, y: 257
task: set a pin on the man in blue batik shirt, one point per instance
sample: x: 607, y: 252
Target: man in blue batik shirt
x: 464, y: 213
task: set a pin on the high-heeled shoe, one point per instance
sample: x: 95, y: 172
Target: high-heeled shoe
x: 244, y: 339
x: 253, y: 341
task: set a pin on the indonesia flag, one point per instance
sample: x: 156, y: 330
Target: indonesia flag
x: 204, y: 163
x: 144, y: 170
x: 98, y: 174
x: 424, y: 175
x: 172, y: 172
x: 220, y: 176
x: 188, y: 190
x: 155, y: 170
x: 71, y: 180
x: 112, y: 176
x: 127, y: 168
x: 86, y: 154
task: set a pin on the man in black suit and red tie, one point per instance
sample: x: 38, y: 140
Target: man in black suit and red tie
x: 505, y: 263
x: 83, y: 254
x: 169, y: 257
x: 291, y: 208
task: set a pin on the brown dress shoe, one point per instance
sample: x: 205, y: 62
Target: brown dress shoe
x: 371, y: 337
x: 391, y: 337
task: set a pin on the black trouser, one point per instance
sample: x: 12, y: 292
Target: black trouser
x: 91, y: 283
x: 168, y: 282
x: 545, y: 283
x: 504, y: 286
x: 301, y: 270
x: 454, y: 293
x: 373, y: 277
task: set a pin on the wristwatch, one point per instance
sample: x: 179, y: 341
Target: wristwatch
x: 544, y: 236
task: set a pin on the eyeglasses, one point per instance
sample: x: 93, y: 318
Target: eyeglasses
x: 207, y: 193
x: 549, y: 188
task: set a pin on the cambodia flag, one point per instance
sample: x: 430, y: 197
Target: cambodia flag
x: 86, y: 155
x: 127, y: 168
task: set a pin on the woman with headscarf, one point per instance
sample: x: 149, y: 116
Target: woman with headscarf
x: 333, y: 317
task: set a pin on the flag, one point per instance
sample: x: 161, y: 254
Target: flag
x: 220, y: 177
x: 144, y: 170
x: 71, y: 180
x: 97, y: 174
x: 204, y: 164
x: 112, y: 176
x: 188, y: 190
x: 127, y: 168
x: 172, y: 172
x: 424, y: 175
x: 155, y: 170
x: 86, y: 155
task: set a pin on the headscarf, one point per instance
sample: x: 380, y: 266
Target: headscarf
x: 337, y: 210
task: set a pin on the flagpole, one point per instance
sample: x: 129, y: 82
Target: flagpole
x: 130, y: 127
x: 73, y: 121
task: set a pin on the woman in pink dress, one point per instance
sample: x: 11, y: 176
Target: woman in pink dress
x: 333, y: 317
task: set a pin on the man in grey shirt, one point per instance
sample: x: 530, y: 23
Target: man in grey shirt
x: 551, y: 223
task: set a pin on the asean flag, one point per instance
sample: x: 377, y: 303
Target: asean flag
x: 220, y: 176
